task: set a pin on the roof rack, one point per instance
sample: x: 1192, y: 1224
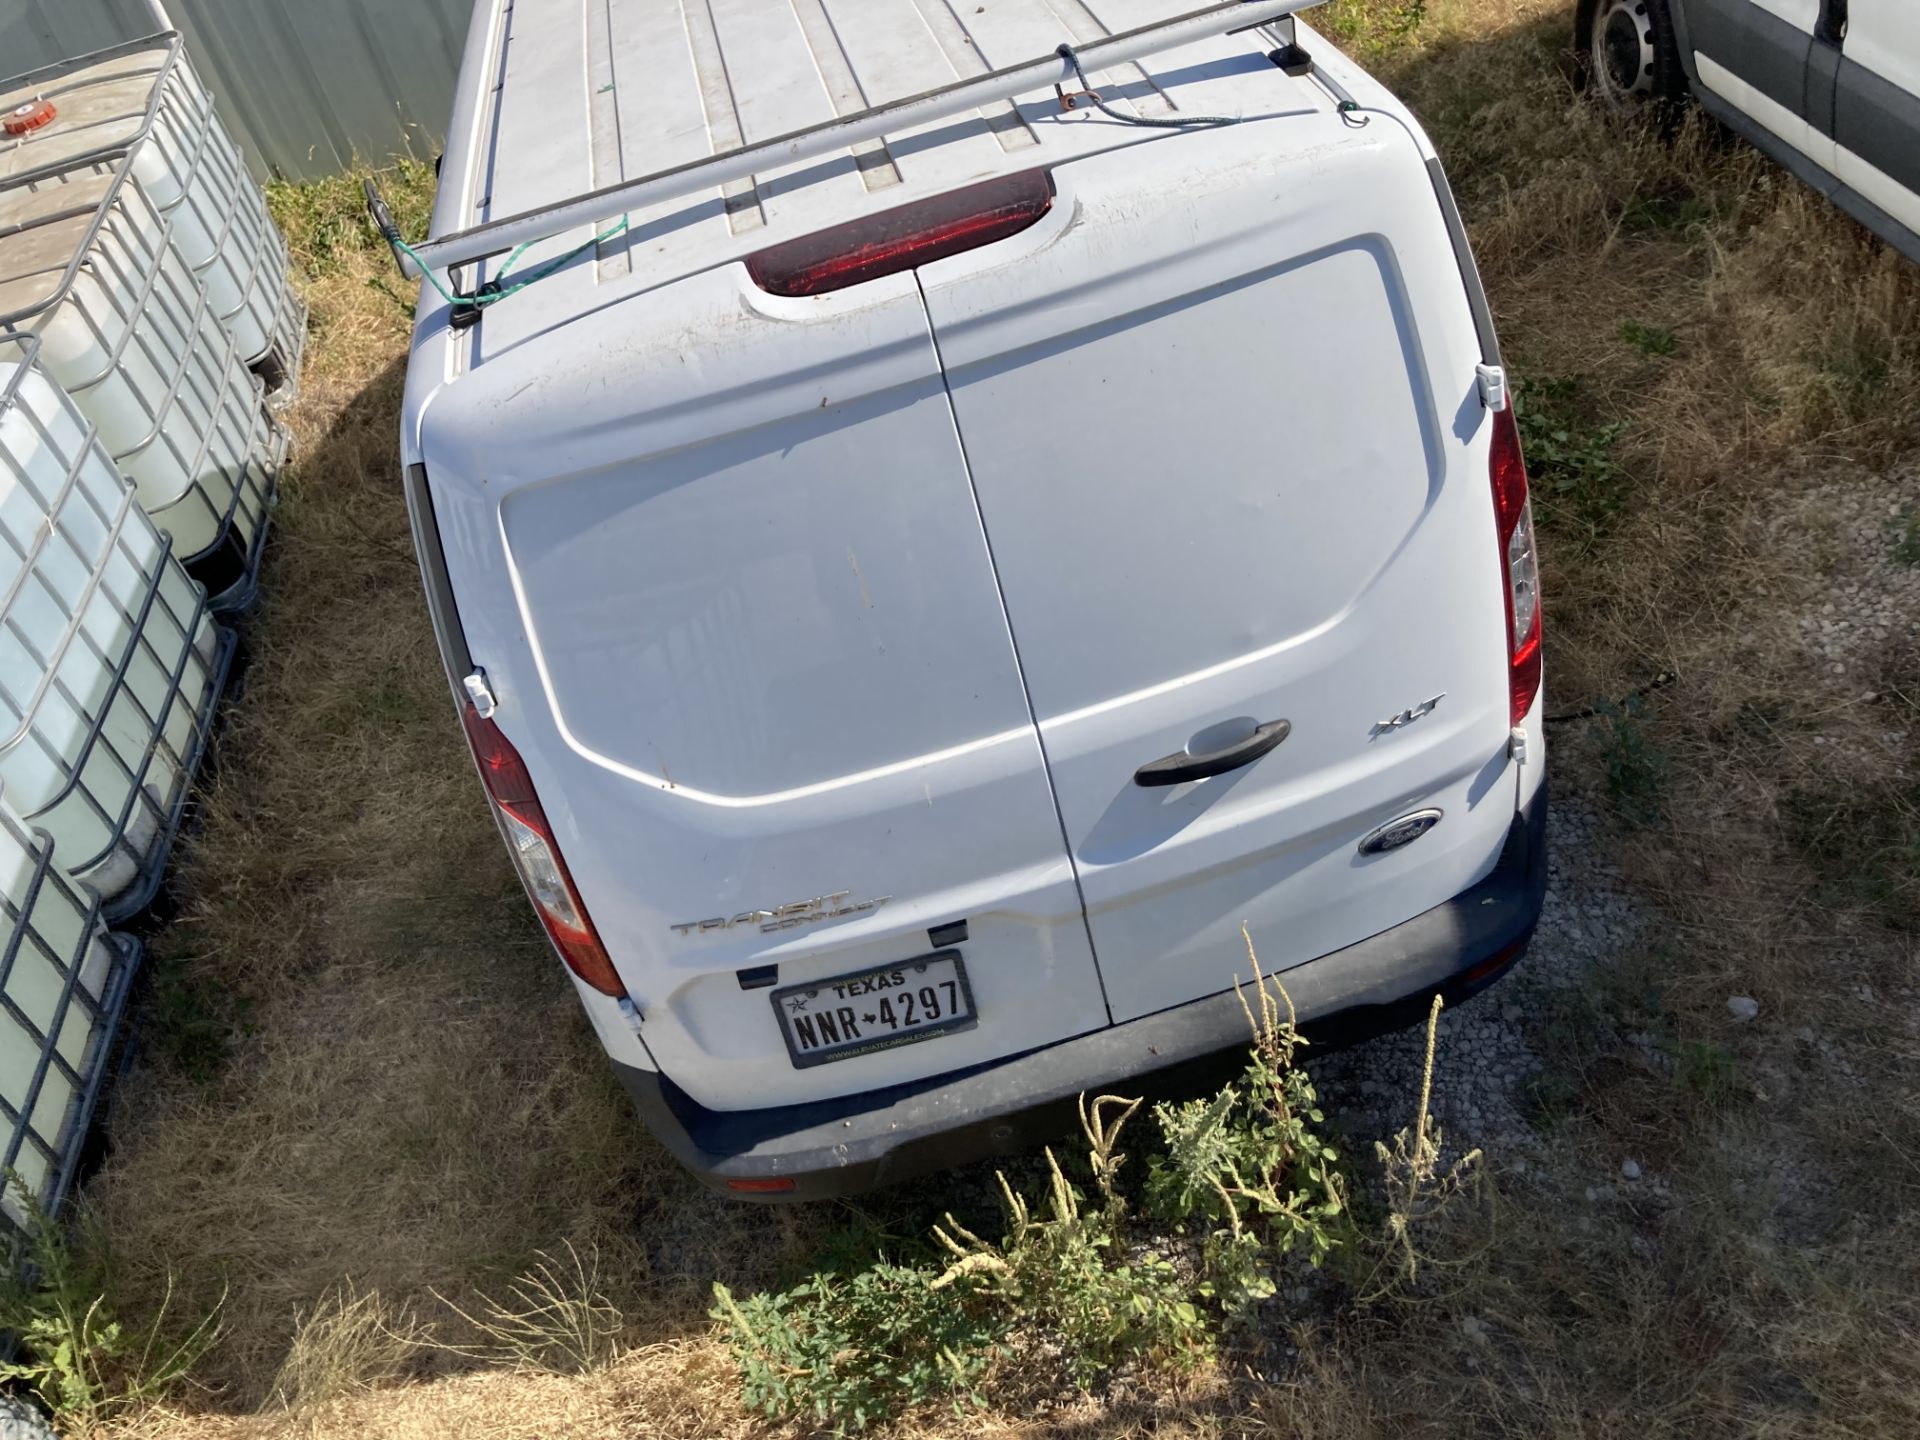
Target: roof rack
x: 531, y: 226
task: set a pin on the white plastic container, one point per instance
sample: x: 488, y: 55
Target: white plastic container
x: 63, y: 985
x: 142, y: 107
x: 110, y: 664
x: 126, y: 329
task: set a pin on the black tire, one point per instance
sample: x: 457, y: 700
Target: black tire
x: 1626, y: 54
x: 20, y: 1421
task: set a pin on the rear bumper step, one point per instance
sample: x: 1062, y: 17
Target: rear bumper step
x: 856, y: 1143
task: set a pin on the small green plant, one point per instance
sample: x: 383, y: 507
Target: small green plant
x: 1082, y: 1281
x: 1706, y: 1070
x: 193, y: 1022
x: 1905, y: 538
x: 849, y: 1350
x: 1251, y: 1162
x: 326, y: 220
x: 1375, y: 26
x: 1649, y: 340
x: 1570, y: 459
x: 80, y: 1360
x: 1636, y: 769
x: 1072, y: 1276
x: 1862, y: 840
x: 1671, y: 210
x: 1859, y: 363
x: 1419, y: 1191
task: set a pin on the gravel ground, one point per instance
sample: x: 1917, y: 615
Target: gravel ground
x: 1484, y: 1057
x: 1864, y: 532
x: 1860, y: 534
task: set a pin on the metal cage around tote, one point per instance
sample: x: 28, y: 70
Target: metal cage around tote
x: 64, y: 981
x: 125, y: 327
x: 140, y: 108
x: 111, y: 666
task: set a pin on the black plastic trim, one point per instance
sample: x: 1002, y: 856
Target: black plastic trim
x: 1823, y: 73
x: 1469, y: 268
x: 849, y: 1145
x: 441, y: 612
x: 1683, y: 40
x: 1856, y: 205
x: 1878, y: 121
x: 1762, y: 49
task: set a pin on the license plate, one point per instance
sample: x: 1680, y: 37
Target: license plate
x: 875, y: 1009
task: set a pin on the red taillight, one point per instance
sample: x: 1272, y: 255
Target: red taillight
x: 900, y: 239
x: 768, y: 1185
x: 536, y: 855
x: 1495, y: 964
x: 1519, y: 566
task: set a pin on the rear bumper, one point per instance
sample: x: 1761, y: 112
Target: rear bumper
x: 853, y: 1144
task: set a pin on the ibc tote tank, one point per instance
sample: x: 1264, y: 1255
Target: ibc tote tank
x: 110, y: 664
x: 88, y: 268
x: 63, y: 989
x: 140, y: 107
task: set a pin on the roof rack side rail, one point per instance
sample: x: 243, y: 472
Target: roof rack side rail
x: 497, y: 236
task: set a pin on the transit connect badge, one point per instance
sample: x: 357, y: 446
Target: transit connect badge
x: 835, y: 906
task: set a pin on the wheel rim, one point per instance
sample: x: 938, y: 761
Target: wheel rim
x: 1622, y: 52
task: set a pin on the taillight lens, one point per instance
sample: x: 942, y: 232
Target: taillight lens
x: 763, y: 1185
x: 900, y: 239
x: 536, y: 855
x: 1518, y: 564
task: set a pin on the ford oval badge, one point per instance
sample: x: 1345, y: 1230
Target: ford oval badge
x: 1403, y: 831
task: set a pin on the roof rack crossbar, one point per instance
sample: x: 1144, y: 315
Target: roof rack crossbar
x: 497, y: 236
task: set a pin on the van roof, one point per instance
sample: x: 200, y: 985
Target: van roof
x: 578, y: 94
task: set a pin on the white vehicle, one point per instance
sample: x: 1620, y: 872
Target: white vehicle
x: 1829, y: 88
x: 925, y: 557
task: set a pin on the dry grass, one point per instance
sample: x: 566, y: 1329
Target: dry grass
x: 365, y: 1070
x: 371, y: 1087
x: 347, y: 1343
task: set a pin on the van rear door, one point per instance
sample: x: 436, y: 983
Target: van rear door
x: 1223, y: 424
x: 754, y: 659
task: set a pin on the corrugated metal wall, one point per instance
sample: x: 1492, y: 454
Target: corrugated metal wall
x: 306, y: 86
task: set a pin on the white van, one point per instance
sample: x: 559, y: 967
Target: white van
x: 923, y: 561
x: 1829, y: 88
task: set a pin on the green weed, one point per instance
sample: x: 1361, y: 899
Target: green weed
x: 1905, y: 539
x: 1649, y: 340
x: 1252, y: 1164
x: 1091, y: 1278
x: 76, y: 1356
x: 847, y: 1351
x: 1371, y: 26
x: 1636, y: 770
x: 191, y: 1022
x: 1862, y: 842
x: 1673, y: 211
x: 1072, y: 1275
x: 1706, y: 1070
x: 1570, y: 461
x: 326, y: 220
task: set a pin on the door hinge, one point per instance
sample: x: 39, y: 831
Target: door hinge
x: 1517, y: 744
x: 1493, y: 386
x: 480, y: 692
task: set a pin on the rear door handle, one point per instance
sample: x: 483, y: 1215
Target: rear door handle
x: 1180, y: 766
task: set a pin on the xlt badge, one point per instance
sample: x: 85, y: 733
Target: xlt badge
x: 1407, y: 716
x: 786, y: 917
